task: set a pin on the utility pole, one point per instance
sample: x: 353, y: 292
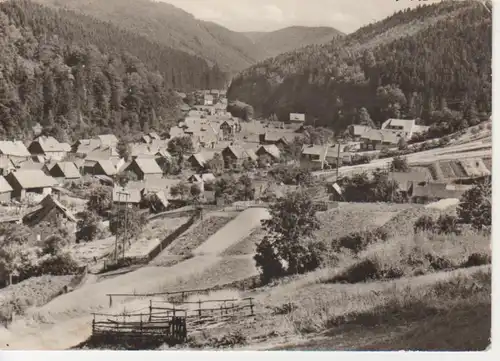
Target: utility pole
x: 338, y: 158
x: 126, y: 194
x: 116, y: 234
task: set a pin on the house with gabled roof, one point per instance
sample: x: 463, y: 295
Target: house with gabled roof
x: 14, y: 150
x: 405, y: 128
x: 198, y: 161
x: 279, y: 139
x: 48, y: 147
x: 376, y: 139
x: 65, y: 171
x: 145, y: 168
x: 24, y: 182
x: 104, y: 167
x: 268, y: 153
x: 49, y: 210
x: 313, y: 157
x: 356, y: 131
x: 234, y: 155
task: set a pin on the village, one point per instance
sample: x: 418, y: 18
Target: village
x: 172, y: 197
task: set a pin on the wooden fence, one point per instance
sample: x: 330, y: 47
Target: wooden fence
x: 122, y: 328
x: 201, y: 310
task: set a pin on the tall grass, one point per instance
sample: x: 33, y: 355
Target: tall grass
x: 392, y: 303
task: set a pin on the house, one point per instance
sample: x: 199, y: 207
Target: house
x: 29, y: 181
x: 376, y: 139
x: 109, y: 140
x: 104, y: 167
x: 297, y: 118
x: 405, y: 128
x: 65, y: 171
x: 49, y: 210
x: 48, y: 147
x: 435, y: 191
x: 14, y: 150
x: 208, y: 99
x: 5, y: 191
x: 313, y: 157
x: 145, y: 168
x: 406, y: 180
x: 356, y: 131
x: 199, y: 161
x: 337, y: 153
x: 227, y: 129
x: 268, y: 153
x: 279, y: 139
x: 235, y: 155
x: 6, y: 166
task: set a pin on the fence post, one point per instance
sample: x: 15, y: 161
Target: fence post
x: 251, y: 307
x: 199, y: 308
x: 93, y: 324
x: 173, y: 310
x: 150, y: 309
x: 141, y: 325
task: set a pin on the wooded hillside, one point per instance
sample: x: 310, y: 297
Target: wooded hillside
x: 432, y: 62
x: 84, y: 76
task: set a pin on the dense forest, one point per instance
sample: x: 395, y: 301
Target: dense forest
x: 280, y: 41
x: 168, y: 25
x: 432, y: 63
x: 79, y: 76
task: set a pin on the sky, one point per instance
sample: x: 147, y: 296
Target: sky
x: 268, y: 15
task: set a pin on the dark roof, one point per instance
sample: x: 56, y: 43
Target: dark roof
x: 107, y: 166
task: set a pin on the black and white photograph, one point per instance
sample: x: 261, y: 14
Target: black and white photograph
x: 246, y: 175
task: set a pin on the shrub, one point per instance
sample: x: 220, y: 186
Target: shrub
x: 447, y: 223
x: 424, y: 224
x: 284, y: 309
x: 88, y: 226
x: 477, y: 259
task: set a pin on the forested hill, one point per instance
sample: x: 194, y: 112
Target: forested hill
x: 294, y: 37
x: 430, y: 62
x: 82, y: 76
x: 171, y: 26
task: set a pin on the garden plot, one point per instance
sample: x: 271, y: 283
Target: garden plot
x: 87, y: 252
x: 474, y: 167
x: 199, y: 233
x: 232, y: 233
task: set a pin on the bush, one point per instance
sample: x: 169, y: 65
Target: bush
x: 475, y: 205
x: 477, y: 259
x: 447, y: 224
x: 357, y: 241
x: 424, y: 224
x: 88, y: 226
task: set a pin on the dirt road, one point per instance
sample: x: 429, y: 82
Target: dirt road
x: 66, y: 321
